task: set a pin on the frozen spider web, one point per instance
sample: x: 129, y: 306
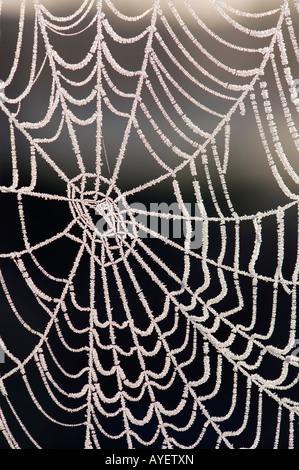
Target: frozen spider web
x: 135, y: 341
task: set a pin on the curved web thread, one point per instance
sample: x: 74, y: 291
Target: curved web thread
x: 133, y: 341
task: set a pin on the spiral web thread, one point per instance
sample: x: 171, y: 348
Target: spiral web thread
x: 143, y: 373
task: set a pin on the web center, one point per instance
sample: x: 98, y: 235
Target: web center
x: 103, y: 218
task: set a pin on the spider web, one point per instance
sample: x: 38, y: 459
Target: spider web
x: 132, y: 341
